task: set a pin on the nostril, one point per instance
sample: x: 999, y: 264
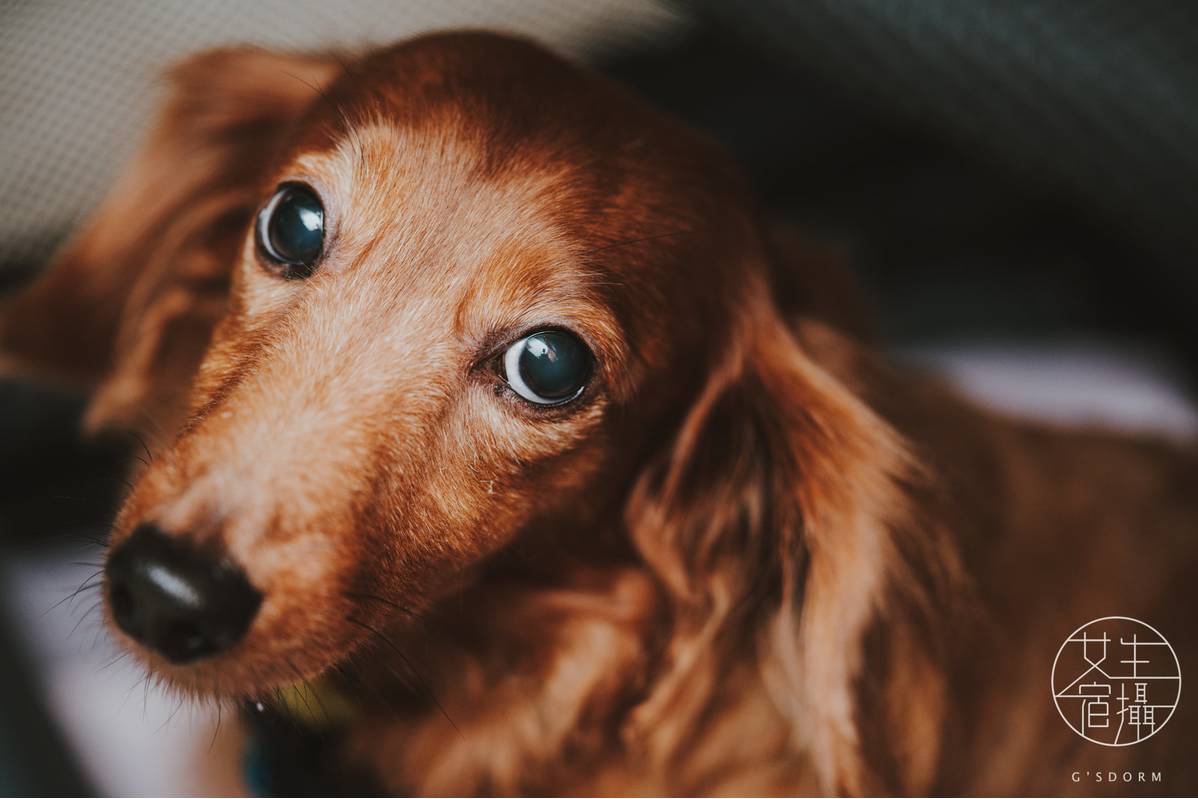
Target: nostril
x: 185, y: 639
x: 176, y: 599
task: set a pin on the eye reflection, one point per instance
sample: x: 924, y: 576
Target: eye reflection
x: 290, y: 230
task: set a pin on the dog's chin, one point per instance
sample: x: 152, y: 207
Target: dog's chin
x: 244, y: 674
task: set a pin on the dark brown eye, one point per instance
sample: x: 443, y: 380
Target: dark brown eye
x: 290, y: 230
x: 551, y: 367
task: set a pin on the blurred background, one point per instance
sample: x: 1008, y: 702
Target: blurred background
x: 1015, y: 183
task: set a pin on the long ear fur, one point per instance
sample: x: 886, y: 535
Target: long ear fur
x: 780, y: 521
x: 128, y: 306
x: 816, y: 281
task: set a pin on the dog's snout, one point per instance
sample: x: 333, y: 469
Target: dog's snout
x: 175, y: 599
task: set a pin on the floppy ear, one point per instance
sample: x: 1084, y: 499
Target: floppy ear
x: 128, y: 306
x: 774, y: 524
x: 816, y: 281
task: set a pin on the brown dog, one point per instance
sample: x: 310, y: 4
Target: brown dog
x: 520, y: 431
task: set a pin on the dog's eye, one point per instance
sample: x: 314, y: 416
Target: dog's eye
x: 290, y: 230
x: 548, y: 368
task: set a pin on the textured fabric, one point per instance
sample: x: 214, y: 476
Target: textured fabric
x: 1097, y: 100
x: 81, y: 77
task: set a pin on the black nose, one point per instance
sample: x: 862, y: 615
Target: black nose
x: 175, y: 599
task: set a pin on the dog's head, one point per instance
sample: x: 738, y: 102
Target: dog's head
x: 462, y: 294
x: 476, y: 284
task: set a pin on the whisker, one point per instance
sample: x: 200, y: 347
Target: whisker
x: 97, y: 541
x: 171, y: 717
x: 423, y: 684
x: 145, y: 696
x: 144, y: 446
x: 361, y: 682
x: 337, y: 109
x: 95, y: 606
x: 307, y: 688
x: 384, y: 601
x: 86, y: 584
x: 132, y: 688
x: 115, y: 660
x: 219, y: 717
x: 176, y: 391
x: 282, y: 703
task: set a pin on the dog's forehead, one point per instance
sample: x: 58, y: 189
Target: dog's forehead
x: 439, y: 116
x: 472, y: 161
x: 416, y: 219
x: 419, y: 205
x: 488, y: 78
x: 458, y: 143
x: 512, y: 96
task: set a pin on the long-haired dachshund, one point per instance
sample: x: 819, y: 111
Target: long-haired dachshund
x: 486, y: 409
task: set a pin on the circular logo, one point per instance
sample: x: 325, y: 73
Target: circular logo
x: 1116, y: 681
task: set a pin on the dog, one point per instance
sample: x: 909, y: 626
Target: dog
x: 488, y: 412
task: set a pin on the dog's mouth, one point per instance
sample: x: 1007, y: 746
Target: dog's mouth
x: 200, y: 624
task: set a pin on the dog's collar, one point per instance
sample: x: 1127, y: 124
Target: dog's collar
x: 316, y: 705
x: 294, y: 743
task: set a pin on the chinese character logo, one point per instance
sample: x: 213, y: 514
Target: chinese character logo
x: 1116, y: 681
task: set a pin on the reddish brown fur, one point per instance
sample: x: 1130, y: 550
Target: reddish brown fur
x: 753, y: 558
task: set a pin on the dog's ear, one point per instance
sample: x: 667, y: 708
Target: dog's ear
x: 127, y: 307
x: 770, y: 523
x: 815, y: 280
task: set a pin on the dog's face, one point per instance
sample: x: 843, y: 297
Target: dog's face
x: 478, y: 284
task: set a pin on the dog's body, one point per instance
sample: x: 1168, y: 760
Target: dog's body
x: 977, y: 719
x: 749, y: 556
